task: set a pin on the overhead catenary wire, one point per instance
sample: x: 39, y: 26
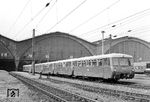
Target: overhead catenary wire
x: 67, y: 15
x: 31, y: 20
x: 130, y: 32
x: 147, y: 35
x: 56, y: 12
x: 133, y: 19
x: 86, y: 21
x: 45, y: 14
x: 141, y: 30
x: 18, y: 16
x: 128, y: 19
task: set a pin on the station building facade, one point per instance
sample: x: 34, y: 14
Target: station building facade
x: 59, y: 46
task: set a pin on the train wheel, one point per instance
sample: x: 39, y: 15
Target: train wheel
x: 72, y: 74
x: 115, y: 80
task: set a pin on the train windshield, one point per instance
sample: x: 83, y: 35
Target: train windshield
x: 121, y: 61
x: 148, y: 65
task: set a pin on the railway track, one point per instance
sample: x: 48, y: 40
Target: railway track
x: 119, y: 83
x: 133, y: 85
x: 58, y: 95
x: 131, y: 96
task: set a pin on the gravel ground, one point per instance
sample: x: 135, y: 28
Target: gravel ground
x: 103, y: 85
x: 25, y: 94
x: 99, y: 97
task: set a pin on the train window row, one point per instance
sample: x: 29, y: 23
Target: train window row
x: 139, y: 67
x: 84, y: 63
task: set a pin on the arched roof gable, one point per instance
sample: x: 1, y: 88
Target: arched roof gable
x: 87, y: 45
x: 116, y: 41
x: 123, y: 39
x: 74, y: 38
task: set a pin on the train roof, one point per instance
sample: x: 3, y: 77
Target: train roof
x: 141, y: 63
x: 95, y: 57
x: 91, y: 57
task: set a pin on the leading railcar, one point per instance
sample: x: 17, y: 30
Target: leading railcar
x: 142, y: 67
x: 113, y: 66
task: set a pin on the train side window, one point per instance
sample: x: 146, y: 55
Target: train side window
x: 55, y: 65
x: 148, y: 65
x: 47, y: 66
x: 79, y: 64
x: 90, y: 62
x: 129, y: 62
x: 75, y: 63
x: 63, y: 64
x: 68, y: 64
x: 87, y: 63
x: 37, y: 66
x: 106, y: 61
x: 60, y: 64
x: 99, y: 62
x: 94, y: 62
x: 83, y: 63
x: 50, y: 66
x: 44, y: 66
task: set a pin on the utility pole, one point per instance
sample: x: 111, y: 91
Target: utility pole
x: 110, y: 38
x: 102, y: 41
x: 33, y: 53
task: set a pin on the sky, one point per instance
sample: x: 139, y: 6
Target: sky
x: 82, y: 18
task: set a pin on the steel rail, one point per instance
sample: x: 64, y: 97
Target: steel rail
x: 112, y: 92
x: 57, y: 94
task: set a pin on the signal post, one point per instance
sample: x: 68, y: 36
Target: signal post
x: 33, y: 53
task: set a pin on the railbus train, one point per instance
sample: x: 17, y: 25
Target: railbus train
x: 142, y: 67
x: 147, y: 70
x: 113, y: 66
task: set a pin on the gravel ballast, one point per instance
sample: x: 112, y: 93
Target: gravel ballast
x: 25, y: 94
x: 99, y: 97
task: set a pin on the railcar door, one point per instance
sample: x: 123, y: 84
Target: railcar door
x: 107, y: 68
x: 100, y: 68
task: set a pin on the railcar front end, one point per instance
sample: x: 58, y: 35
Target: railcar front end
x: 122, y: 68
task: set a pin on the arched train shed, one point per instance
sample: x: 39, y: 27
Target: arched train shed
x: 54, y: 46
x: 58, y: 45
x: 7, y: 53
x: 139, y: 49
